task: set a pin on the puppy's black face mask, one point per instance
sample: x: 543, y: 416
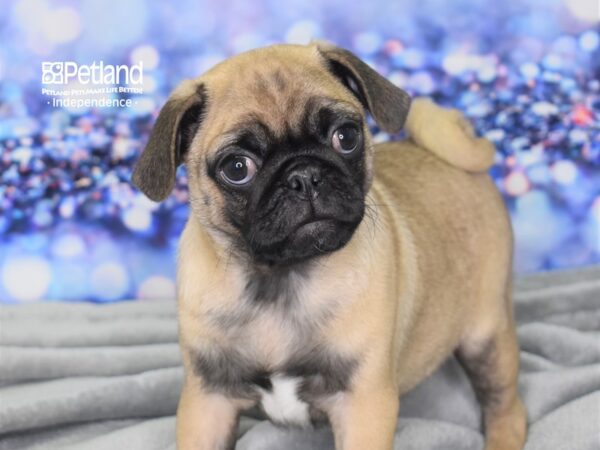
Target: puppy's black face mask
x: 298, y: 194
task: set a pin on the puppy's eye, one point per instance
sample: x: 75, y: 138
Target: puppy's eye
x: 345, y: 139
x: 238, y: 169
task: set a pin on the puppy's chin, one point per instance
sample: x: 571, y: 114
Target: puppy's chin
x: 310, y: 239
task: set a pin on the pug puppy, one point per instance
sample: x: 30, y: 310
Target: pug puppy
x: 321, y: 276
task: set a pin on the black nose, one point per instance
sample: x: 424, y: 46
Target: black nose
x: 305, y: 181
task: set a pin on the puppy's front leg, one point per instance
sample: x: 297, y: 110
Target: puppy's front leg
x: 205, y: 421
x: 365, y: 418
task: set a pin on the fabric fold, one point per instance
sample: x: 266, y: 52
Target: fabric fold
x: 104, y: 377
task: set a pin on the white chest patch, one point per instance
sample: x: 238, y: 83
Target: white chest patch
x: 282, y: 404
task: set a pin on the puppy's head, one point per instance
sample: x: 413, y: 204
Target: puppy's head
x: 278, y: 154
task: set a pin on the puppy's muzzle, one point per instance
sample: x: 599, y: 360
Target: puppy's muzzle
x: 310, y: 206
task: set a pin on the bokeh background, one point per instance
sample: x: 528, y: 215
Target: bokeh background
x: 73, y: 228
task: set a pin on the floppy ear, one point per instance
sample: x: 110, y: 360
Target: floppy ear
x: 175, y: 127
x: 387, y: 103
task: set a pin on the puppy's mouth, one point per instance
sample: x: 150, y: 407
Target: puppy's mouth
x: 313, y: 237
x: 320, y: 233
x: 314, y: 225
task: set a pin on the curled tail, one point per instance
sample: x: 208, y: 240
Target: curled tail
x: 447, y: 134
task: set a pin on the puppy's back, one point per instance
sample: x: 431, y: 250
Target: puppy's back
x: 462, y: 238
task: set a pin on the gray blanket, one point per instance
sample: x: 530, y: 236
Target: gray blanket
x: 81, y: 376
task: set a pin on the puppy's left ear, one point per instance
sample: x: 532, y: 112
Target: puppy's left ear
x: 387, y: 103
x: 175, y: 127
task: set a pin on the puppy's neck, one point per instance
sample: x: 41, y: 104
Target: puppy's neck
x: 217, y: 262
x: 275, y: 284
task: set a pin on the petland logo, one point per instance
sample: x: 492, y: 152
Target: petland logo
x: 95, y: 85
x: 66, y: 72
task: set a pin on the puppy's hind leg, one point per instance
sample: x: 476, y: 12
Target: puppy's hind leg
x: 492, y: 365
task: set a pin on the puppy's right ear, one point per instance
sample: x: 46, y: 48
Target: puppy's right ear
x: 175, y: 127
